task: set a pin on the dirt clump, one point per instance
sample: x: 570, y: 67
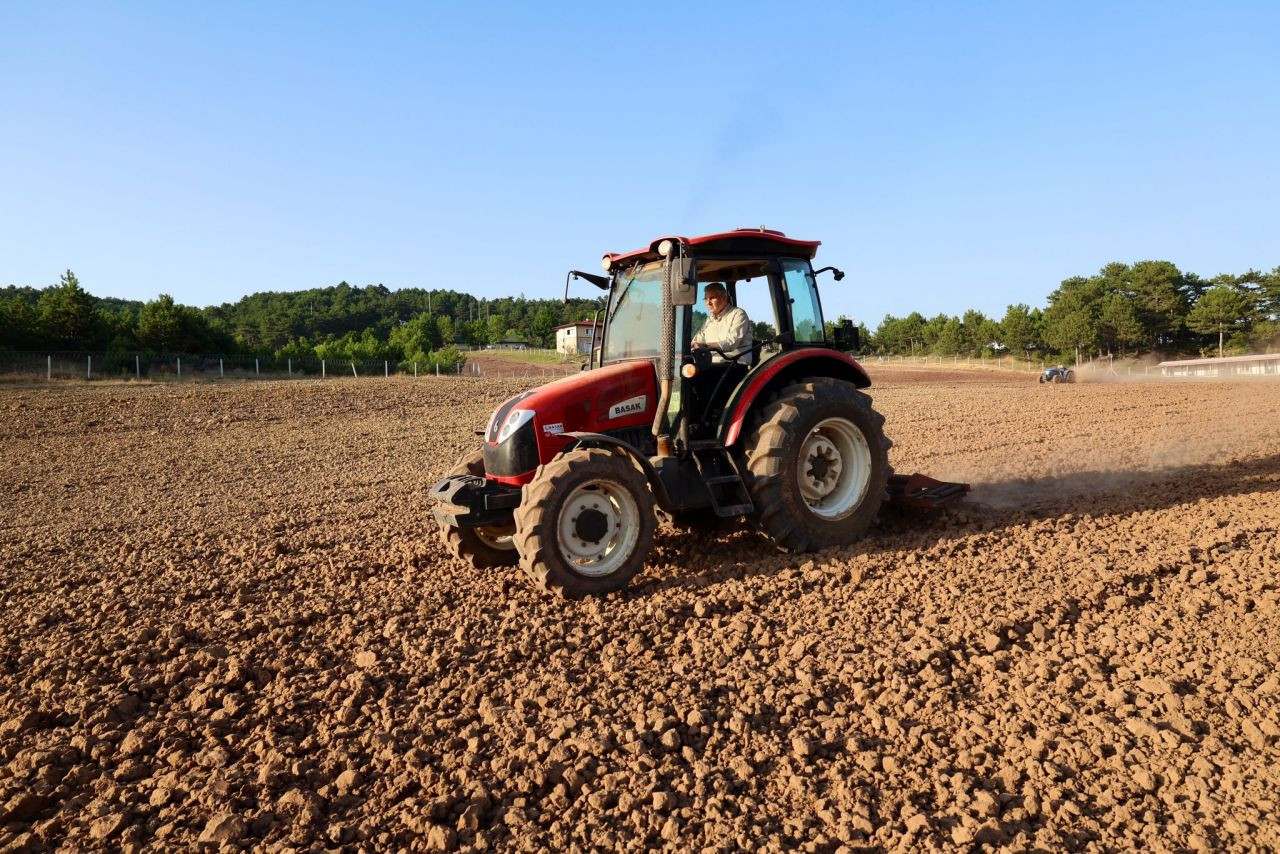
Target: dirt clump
x: 226, y: 621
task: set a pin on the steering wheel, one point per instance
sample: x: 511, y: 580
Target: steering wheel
x: 754, y: 350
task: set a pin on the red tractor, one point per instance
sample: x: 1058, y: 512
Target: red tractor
x: 568, y: 476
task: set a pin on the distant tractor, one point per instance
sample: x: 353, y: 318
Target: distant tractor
x: 569, y: 476
x: 1059, y: 374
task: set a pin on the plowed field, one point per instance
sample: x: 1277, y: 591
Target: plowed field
x: 225, y: 619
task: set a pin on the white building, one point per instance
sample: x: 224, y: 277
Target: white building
x: 577, y: 339
x: 1229, y: 366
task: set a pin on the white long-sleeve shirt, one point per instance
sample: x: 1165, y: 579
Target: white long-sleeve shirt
x: 731, y: 332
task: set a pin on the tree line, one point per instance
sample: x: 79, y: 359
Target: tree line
x: 341, y: 322
x: 1123, y: 309
x: 1149, y: 306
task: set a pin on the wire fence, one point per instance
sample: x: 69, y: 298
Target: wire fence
x: 97, y: 366
x: 1001, y: 363
x: 1098, y: 368
x: 87, y: 366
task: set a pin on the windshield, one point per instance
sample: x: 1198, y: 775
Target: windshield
x: 635, y: 314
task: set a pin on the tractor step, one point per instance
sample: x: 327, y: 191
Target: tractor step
x: 918, y: 490
x: 728, y: 492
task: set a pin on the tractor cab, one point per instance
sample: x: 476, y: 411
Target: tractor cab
x: 762, y: 272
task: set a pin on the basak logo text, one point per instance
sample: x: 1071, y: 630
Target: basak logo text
x: 630, y: 406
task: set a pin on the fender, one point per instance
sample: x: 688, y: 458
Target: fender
x: 600, y: 440
x: 780, y: 370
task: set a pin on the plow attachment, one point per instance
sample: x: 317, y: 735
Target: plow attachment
x: 917, y: 490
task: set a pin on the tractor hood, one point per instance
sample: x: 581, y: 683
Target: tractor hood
x: 527, y: 430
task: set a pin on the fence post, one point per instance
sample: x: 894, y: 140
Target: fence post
x: 353, y: 370
x: 179, y: 365
x: 415, y: 370
x: 437, y: 369
x: 256, y: 372
x: 290, y: 367
x: 137, y: 366
x: 89, y: 369
x: 385, y: 369
x: 48, y: 371
x: 322, y: 370
x: 221, y: 374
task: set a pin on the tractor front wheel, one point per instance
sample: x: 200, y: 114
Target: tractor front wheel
x: 486, y: 547
x: 819, y: 462
x: 585, y: 524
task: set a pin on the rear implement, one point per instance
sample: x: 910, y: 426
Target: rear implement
x: 918, y: 490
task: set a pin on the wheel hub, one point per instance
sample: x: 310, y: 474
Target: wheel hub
x: 598, y: 527
x: 824, y: 466
x: 591, y: 525
x: 834, y: 468
x: 498, y: 536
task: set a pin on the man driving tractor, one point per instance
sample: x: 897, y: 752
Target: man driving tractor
x: 728, y: 328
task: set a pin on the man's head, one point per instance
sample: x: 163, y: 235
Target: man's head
x: 717, y: 298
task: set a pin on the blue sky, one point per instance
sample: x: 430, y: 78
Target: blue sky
x: 948, y: 155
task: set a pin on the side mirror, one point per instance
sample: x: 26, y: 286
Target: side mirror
x: 684, y: 286
x: 846, y: 336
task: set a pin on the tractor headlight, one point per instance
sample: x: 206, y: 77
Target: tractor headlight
x: 515, y: 420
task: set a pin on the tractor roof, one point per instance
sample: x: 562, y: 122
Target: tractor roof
x: 744, y: 241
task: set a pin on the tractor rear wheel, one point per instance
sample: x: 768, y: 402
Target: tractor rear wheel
x: 485, y: 547
x: 819, y: 462
x: 585, y: 524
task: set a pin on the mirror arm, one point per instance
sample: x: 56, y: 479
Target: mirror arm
x: 601, y: 282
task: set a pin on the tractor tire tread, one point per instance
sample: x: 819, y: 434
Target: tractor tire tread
x: 771, y: 445
x: 463, y: 543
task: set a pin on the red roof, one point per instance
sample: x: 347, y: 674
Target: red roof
x: 747, y: 240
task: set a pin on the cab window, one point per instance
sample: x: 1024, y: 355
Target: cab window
x: 748, y: 287
x: 802, y: 294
